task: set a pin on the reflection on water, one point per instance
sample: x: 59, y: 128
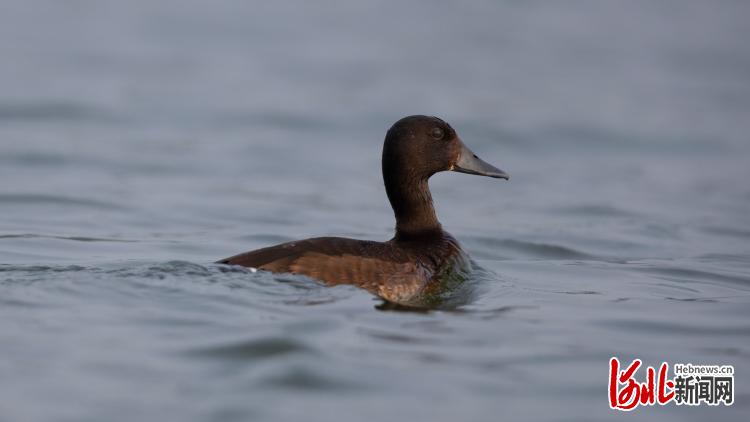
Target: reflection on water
x: 140, y: 141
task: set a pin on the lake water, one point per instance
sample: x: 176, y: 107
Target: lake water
x: 141, y: 141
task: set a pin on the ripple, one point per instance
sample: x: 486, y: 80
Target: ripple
x: 691, y: 299
x: 273, y: 119
x: 46, y: 199
x: 563, y: 292
x: 41, y: 268
x: 687, y: 274
x: 394, y: 337
x: 730, y: 232
x: 26, y: 159
x: 305, y: 379
x: 269, y: 239
x: 18, y: 303
x: 73, y: 238
x: 723, y: 258
x: 264, y: 348
x: 139, y: 273
x: 596, y: 210
x: 397, y: 307
x: 676, y: 328
x: 489, y: 314
x: 51, y: 112
x: 535, y: 250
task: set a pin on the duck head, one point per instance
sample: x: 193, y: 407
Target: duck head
x: 419, y: 146
x: 415, y: 148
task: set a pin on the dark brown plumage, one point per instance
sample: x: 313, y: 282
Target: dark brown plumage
x: 422, y: 259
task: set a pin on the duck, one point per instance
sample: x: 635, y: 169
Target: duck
x: 422, y: 263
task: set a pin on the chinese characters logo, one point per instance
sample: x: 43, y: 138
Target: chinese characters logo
x: 692, y: 385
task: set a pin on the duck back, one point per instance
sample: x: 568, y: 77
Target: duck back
x: 396, y: 270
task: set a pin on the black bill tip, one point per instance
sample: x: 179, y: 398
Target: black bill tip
x: 469, y: 163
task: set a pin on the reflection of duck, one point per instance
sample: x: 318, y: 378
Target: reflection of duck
x: 421, y: 260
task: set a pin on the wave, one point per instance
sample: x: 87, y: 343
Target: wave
x: 48, y: 199
x: 533, y: 249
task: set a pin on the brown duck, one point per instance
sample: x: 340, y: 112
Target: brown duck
x: 422, y: 262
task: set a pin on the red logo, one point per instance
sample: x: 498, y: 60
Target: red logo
x: 633, y: 393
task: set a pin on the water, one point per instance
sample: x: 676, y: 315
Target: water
x: 140, y: 141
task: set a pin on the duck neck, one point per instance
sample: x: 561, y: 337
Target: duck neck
x: 412, y: 205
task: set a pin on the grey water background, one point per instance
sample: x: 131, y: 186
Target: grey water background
x: 140, y: 141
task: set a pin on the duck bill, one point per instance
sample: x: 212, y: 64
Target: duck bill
x: 468, y: 162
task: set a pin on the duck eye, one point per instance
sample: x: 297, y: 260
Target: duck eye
x: 437, y: 133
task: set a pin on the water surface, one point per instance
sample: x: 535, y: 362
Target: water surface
x: 141, y: 141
